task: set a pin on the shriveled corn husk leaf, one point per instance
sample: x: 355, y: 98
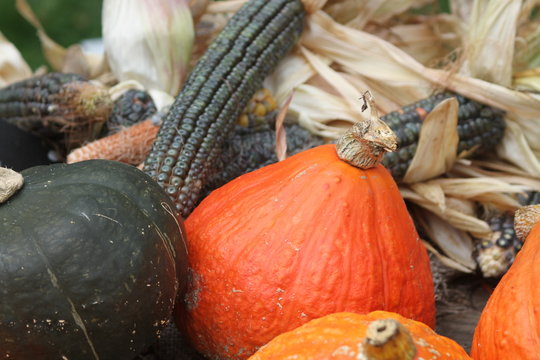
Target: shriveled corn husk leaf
x: 291, y: 72
x: 328, y: 118
x: 528, y: 80
x: 53, y: 52
x: 437, y: 144
x: 340, y: 84
x: 454, y: 217
x: 495, y: 169
x: 72, y: 59
x: 13, y: 67
x: 355, y: 14
x: 389, y: 8
x: 462, y: 9
x: 389, y: 70
x: 150, y: 42
x: 515, y: 149
x: 431, y: 192
x: 489, y: 43
x: 527, y: 53
x: 482, y: 189
x: 383, y: 66
x: 445, y: 260
x: 456, y: 244
x: 429, y: 40
x: 281, y: 136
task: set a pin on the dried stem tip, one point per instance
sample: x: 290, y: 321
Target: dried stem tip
x: 10, y: 182
x: 524, y: 220
x: 365, y: 143
x: 387, y: 339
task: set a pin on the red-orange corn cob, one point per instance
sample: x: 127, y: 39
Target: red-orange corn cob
x: 130, y: 145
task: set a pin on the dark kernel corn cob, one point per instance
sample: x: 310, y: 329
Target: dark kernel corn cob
x: 252, y: 143
x: 495, y: 255
x: 252, y: 148
x: 60, y: 107
x: 480, y: 128
x: 130, y: 108
x: 214, y: 95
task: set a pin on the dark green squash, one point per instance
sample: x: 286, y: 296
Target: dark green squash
x: 90, y: 254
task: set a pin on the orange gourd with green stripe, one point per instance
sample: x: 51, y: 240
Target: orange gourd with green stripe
x: 296, y: 240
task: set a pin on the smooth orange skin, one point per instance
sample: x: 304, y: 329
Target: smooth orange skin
x: 509, y: 327
x: 340, y: 336
x: 297, y: 240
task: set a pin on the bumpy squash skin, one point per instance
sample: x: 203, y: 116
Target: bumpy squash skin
x: 89, y: 260
x: 509, y: 326
x: 340, y: 336
x: 296, y: 240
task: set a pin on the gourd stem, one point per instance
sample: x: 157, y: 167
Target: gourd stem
x: 388, y: 339
x: 10, y: 182
x: 524, y: 220
x: 365, y: 143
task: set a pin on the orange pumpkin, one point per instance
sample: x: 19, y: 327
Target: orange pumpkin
x: 379, y: 335
x: 306, y: 237
x: 509, y: 327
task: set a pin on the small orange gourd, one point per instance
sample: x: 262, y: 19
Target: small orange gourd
x: 306, y: 237
x: 379, y: 335
x: 509, y: 326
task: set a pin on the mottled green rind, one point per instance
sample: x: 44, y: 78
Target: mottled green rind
x: 90, y: 240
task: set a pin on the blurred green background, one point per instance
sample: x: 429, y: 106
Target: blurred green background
x: 65, y: 21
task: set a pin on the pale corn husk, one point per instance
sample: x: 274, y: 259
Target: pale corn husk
x: 528, y: 80
x: 437, y: 145
x: 427, y: 39
x: 489, y: 41
x: 149, y: 42
x: 12, y: 65
x: 456, y: 244
x: 281, y: 136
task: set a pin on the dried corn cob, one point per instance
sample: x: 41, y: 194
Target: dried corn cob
x: 480, y: 128
x: 63, y: 108
x: 495, y: 255
x: 131, y: 107
x: 129, y: 145
x: 218, y: 88
x: 252, y: 148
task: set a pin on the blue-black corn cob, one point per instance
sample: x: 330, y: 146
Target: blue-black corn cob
x: 130, y: 108
x: 63, y: 108
x: 216, y: 92
x: 480, y: 128
x: 494, y: 256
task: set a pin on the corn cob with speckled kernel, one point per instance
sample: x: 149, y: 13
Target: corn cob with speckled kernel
x: 494, y: 256
x: 62, y: 108
x: 215, y: 93
x: 480, y: 128
x: 252, y: 145
x: 132, y: 107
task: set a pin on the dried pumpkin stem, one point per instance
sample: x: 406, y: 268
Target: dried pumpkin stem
x: 365, y: 143
x: 10, y: 182
x: 524, y: 220
x: 387, y: 339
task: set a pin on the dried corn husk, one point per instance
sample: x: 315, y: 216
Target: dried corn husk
x: 489, y: 43
x: 456, y: 244
x: 13, y: 67
x: 72, y: 59
x: 149, y: 42
x: 437, y: 145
